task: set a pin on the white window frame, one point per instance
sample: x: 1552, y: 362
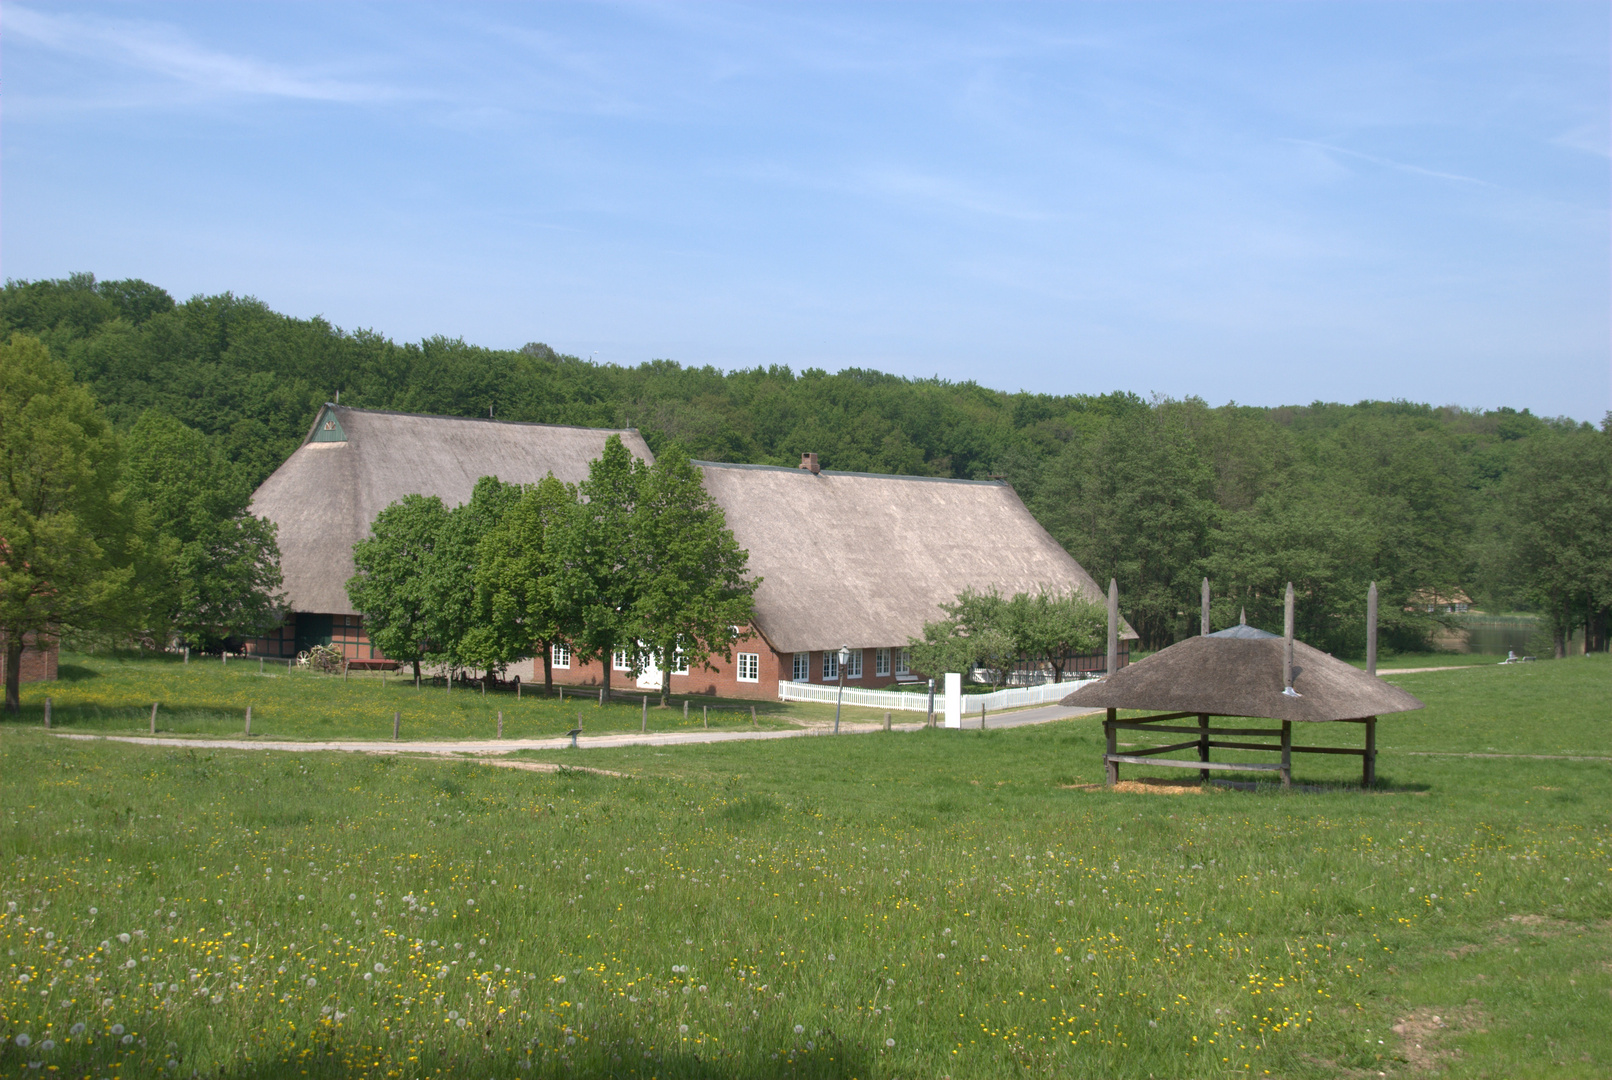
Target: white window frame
x: 801, y: 668
x: 619, y: 660
x: 679, y: 664
x: 881, y: 663
x: 853, y: 669
x: 560, y: 655
x: 751, y: 662
x: 903, y: 661
x: 831, y: 665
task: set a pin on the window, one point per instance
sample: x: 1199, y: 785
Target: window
x: 679, y: 665
x: 562, y: 655
x: 749, y: 667
x: 803, y: 667
x: 881, y: 661
x: 619, y: 659
x: 903, y: 661
x: 853, y: 669
x: 831, y: 665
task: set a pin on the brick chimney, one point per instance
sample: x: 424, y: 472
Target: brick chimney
x: 809, y: 461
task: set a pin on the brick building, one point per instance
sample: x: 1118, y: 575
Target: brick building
x: 846, y: 559
x: 38, y: 665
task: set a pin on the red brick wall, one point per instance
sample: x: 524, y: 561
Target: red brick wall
x: 38, y: 665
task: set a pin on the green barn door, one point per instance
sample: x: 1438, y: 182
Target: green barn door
x: 312, y: 630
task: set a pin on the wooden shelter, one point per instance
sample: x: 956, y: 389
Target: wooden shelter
x: 1239, y: 672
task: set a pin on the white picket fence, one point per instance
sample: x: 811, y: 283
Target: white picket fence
x: 1014, y: 697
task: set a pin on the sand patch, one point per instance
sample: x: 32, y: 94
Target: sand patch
x: 1422, y: 1032
x: 1146, y: 786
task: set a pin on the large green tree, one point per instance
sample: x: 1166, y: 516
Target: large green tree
x: 597, y: 574
x: 69, y: 544
x: 462, y: 638
x: 400, y: 568
x: 516, y: 596
x: 1554, y: 524
x: 1053, y: 626
x: 693, y: 595
x: 223, y: 573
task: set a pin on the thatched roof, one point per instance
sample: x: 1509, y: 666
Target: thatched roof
x: 355, y: 462
x: 864, y: 560
x: 1238, y: 672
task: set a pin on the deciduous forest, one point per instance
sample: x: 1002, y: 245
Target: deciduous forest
x: 1510, y: 510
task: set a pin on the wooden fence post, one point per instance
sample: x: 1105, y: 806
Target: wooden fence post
x: 562, y: 693
x: 887, y: 720
x: 1203, y: 741
x: 643, y: 725
x: 1287, y: 753
x: 517, y: 690
x: 705, y: 714
x: 1368, y: 769
x: 1110, y: 767
x: 153, y: 718
x: 601, y: 697
x: 685, y: 710
x: 249, y: 720
x: 47, y: 714
x: 982, y: 716
x: 397, y: 724
x: 344, y: 671
x: 500, y: 723
x: 752, y: 716
x: 260, y: 665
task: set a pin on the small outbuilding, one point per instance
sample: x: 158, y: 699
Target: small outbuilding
x: 1238, y: 672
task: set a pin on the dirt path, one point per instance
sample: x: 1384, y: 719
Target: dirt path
x: 484, y: 747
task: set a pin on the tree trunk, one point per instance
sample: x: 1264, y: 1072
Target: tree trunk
x: 548, y: 666
x: 14, y: 674
x: 416, y: 670
x: 1057, y: 673
x: 1557, y: 634
x: 609, y: 658
x: 666, y: 673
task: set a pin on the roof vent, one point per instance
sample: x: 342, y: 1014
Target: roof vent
x: 809, y: 462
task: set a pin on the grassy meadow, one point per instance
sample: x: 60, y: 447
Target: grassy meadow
x: 929, y: 904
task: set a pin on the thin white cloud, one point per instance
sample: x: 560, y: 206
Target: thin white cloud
x: 1389, y: 163
x: 162, y: 50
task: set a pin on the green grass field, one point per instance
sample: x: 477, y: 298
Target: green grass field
x: 930, y: 904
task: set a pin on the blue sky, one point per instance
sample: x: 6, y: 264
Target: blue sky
x: 1270, y: 203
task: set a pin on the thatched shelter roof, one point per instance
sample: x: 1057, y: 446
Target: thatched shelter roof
x: 864, y: 559
x: 1238, y: 672
x: 355, y: 462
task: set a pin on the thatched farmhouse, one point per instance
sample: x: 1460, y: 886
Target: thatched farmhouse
x: 846, y: 559
x: 356, y: 462
x: 864, y: 560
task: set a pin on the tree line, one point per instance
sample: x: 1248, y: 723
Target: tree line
x: 633, y: 567
x: 1507, y: 508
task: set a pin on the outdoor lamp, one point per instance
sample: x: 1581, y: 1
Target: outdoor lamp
x: 845, y: 658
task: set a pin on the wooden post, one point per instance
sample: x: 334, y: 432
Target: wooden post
x: 153, y: 718
x: 1203, y: 744
x: 1113, y: 626
x: 249, y: 719
x: 705, y: 715
x: 752, y: 716
x: 562, y: 694
x: 1368, y: 764
x: 685, y: 710
x: 1203, y: 627
x: 500, y: 723
x: 187, y: 654
x: 397, y: 724
x: 47, y: 714
x: 484, y: 686
x: 517, y: 690
x: 1287, y: 753
x: 886, y: 717
x: 643, y: 725
x: 601, y: 697
x: 1371, y: 631
x: 1110, y: 767
x: 260, y: 665
x: 344, y: 671
x: 223, y: 657
x: 1287, y: 640
x: 982, y: 716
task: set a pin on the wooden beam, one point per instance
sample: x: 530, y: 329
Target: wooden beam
x: 1110, y: 769
x: 1227, y: 766
x: 1164, y: 749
